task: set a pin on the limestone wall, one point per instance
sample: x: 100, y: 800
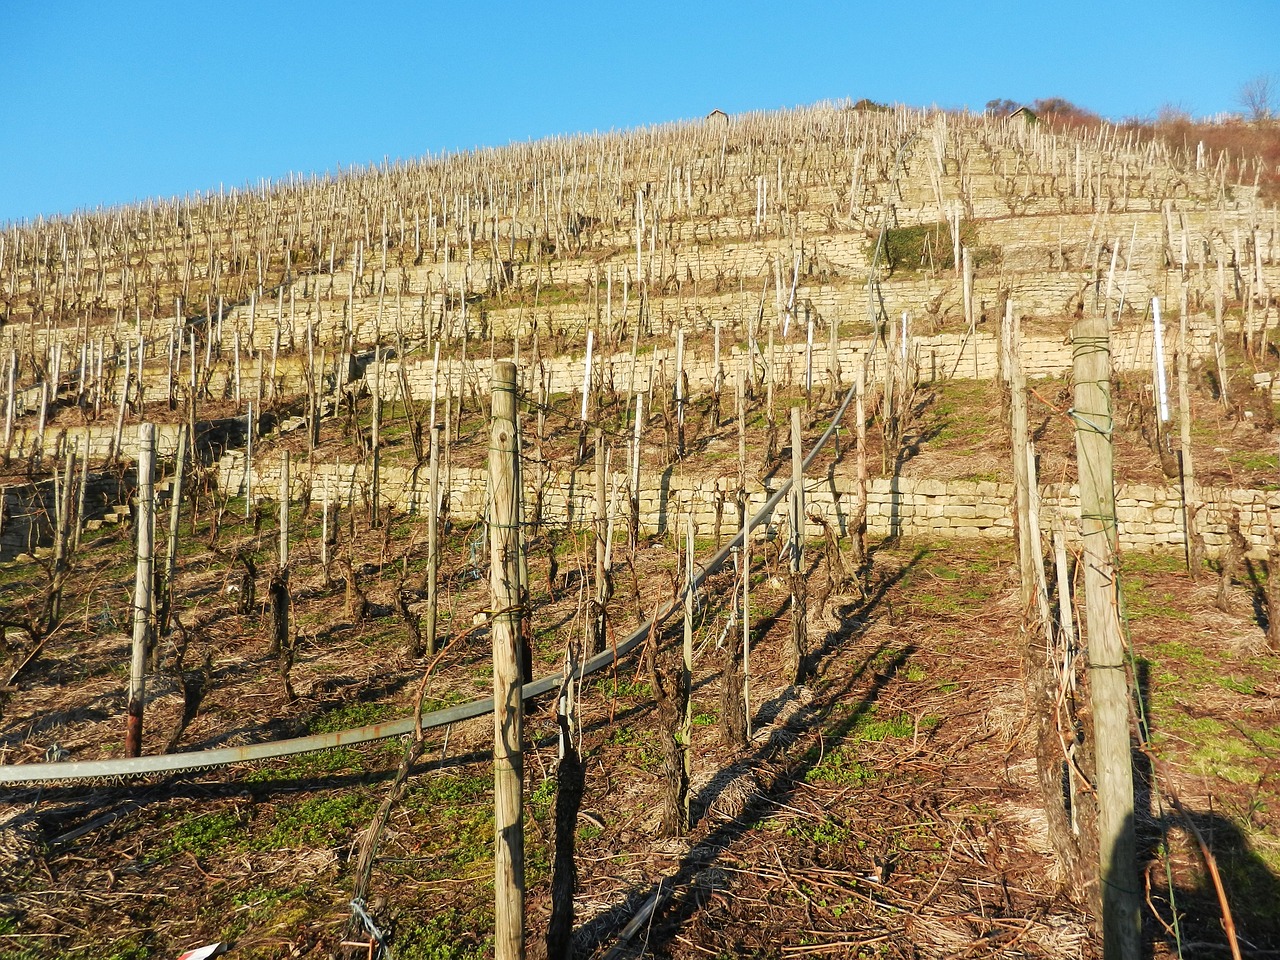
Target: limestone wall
x: 212, y: 438
x: 939, y: 357
x: 1149, y: 518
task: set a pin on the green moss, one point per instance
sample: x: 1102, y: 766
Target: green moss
x: 930, y: 246
x: 840, y: 769
x: 318, y: 821
x: 825, y: 832
x: 1236, y: 685
x: 445, y: 935
x: 203, y: 834
x: 1255, y: 461
x: 349, y: 716
x: 448, y: 790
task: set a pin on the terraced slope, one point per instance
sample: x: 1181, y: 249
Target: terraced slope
x: 886, y: 806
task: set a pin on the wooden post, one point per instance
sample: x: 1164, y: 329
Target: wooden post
x: 324, y: 533
x: 142, y: 583
x: 744, y: 521
x: 680, y: 397
x: 1109, y: 687
x: 1066, y: 621
x: 1185, y: 464
x: 38, y: 443
x: 746, y: 612
x: 375, y: 513
x: 635, y: 472
x: 1220, y: 340
x: 248, y: 462
x: 1028, y: 540
x: 717, y: 380
x: 433, y: 540
x: 686, y: 686
x: 175, y: 514
x: 859, y: 531
x: 601, y: 511
x: 284, y: 510
x: 118, y: 435
x: 808, y: 360
x: 967, y: 289
x: 10, y: 394
x: 833, y: 358
x: 62, y: 502
x: 508, y: 712
x: 799, y: 594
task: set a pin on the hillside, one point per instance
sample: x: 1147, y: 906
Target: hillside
x: 670, y: 296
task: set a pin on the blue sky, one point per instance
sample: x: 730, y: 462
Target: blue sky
x: 108, y: 103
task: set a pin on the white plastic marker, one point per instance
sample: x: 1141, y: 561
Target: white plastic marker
x: 586, y: 376
x: 1161, y: 387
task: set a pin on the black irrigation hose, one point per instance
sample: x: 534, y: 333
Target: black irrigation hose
x: 109, y: 770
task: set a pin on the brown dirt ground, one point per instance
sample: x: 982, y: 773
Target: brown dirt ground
x: 886, y: 808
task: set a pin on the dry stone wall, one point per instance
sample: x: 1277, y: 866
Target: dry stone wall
x: 1149, y: 518
x: 939, y: 357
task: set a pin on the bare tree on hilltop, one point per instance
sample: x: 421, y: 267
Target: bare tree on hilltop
x: 1258, y: 98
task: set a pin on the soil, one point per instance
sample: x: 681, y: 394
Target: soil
x: 886, y: 807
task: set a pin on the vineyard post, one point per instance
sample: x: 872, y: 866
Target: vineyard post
x: 248, y: 463
x: 118, y: 435
x: 686, y: 666
x: 586, y: 399
x: 375, y: 456
x: 1019, y: 437
x: 717, y: 379
x: 275, y: 350
x: 770, y: 368
x: 833, y: 357
x: 860, y: 427
x: 508, y: 712
x: 143, y: 580
x: 1187, y: 468
x: 744, y: 527
x: 680, y: 397
x: 955, y: 238
x: 799, y: 598
x: 597, y: 627
x: 10, y: 399
x: 808, y: 359
x: 1109, y: 686
x: 324, y: 531
x: 235, y: 356
x: 168, y: 375
x: 62, y: 501
x: 192, y: 360
x: 635, y: 472
x: 1161, y: 384
x: 1220, y: 339
x: 601, y: 509
x: 284, y: 510
x: 78, y: 517
x: 433, y: 538
x: 175, y: 513
x: 967, y: 289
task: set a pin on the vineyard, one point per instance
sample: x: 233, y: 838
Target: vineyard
x: 877, y: 508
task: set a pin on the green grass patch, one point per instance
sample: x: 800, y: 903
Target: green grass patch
x: 203, y: 834
x: 930, y: 246
x: 449, y: 934
x: 318, y: 821
x: 1253, y: 460
x: 825, y: 832
x: 840, y: 769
